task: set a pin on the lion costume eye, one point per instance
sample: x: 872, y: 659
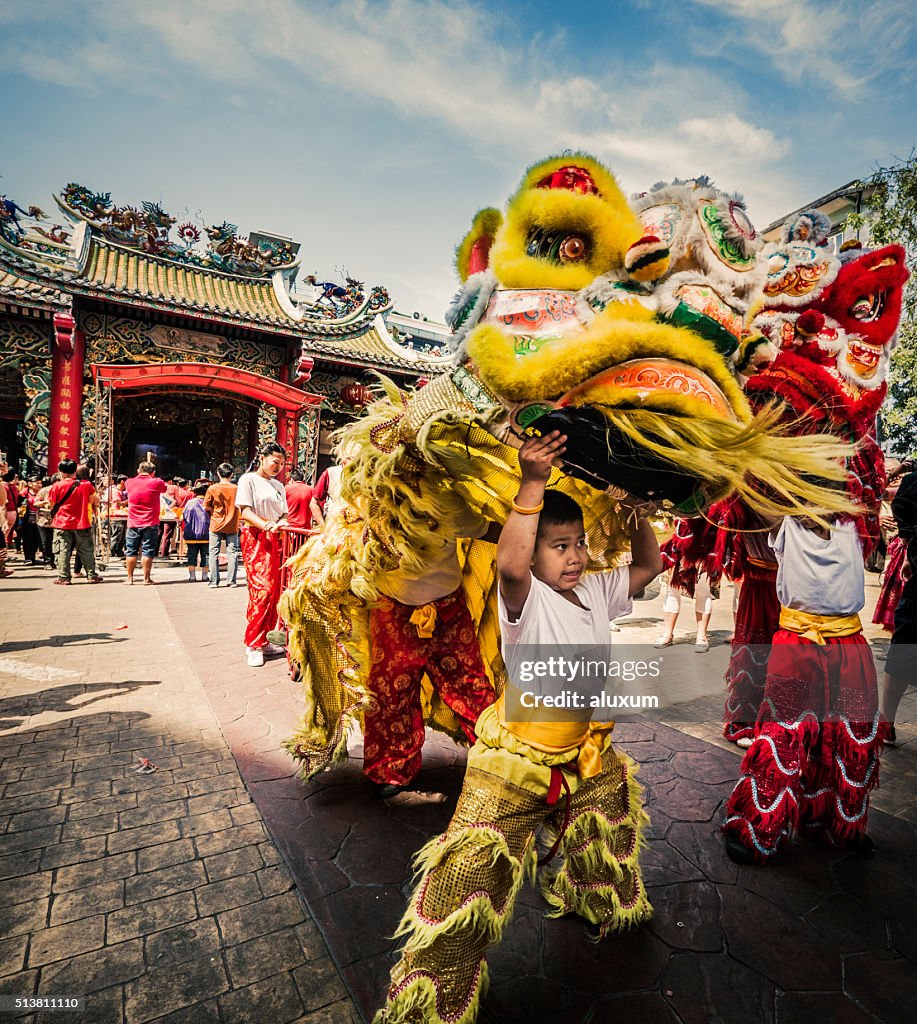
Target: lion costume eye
x: 557, y: 247
x: 867, y: 307
x: 572, y: 248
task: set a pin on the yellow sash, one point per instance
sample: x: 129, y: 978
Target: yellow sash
x: 424, y: 618
x: 817, y: 627
x: 559, y: 735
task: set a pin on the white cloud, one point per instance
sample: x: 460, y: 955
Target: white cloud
x: 844, y: 44
x: 460, y: 66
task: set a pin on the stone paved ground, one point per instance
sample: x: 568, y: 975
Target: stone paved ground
x: 820, y: 936
x: 159, y: 897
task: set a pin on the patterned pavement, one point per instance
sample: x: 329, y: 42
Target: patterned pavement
x: 221, y: 889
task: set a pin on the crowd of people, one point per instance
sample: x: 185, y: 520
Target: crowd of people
x: 207, y: 523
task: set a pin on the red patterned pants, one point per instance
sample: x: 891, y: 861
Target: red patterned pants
x: 261, y: 555
x: 815, y: 756
x: 393, y: 734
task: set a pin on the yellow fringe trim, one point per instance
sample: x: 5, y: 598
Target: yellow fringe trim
x: 478, y: 914
x: 598, y: 859
x: 772, y: 472
x: 416, y: 1003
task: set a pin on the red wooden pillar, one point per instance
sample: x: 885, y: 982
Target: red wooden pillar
x: 66, y: 417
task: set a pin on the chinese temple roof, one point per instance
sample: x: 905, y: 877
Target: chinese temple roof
x: 21, y: 296
x: 143, y: 258
x: 115, y: 271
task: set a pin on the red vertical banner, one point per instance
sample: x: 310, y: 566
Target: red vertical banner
x: 66, y: 419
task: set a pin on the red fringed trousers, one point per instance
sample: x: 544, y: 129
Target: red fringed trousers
x: 757, y: 619
x: 393, y: 733
x: 261, y: 556
x: 815, y: 755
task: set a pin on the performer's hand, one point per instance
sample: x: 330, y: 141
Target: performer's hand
x: 537, y: 455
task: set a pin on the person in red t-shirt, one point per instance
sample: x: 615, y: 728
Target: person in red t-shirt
x: 143, y: 491
x: 303, y: 508
x: 71, y: 501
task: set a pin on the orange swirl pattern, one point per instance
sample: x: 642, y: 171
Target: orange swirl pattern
x: 646, y: 376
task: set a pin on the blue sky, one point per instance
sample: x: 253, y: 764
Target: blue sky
x: 372, y: 131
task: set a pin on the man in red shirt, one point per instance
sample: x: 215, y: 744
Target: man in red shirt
x: 71, y: 501
x: 299, y: 501
x: 143, y: 491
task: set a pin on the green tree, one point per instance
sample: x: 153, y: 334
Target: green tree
x: 891, y: 216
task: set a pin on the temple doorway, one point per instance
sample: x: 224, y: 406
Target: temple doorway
x: 12, y: 420
x: 185, y: 435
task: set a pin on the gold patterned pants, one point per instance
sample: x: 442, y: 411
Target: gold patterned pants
x: 470, y: 875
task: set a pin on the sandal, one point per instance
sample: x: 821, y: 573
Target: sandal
x: 664, y: 641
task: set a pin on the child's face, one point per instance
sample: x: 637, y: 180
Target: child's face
x: 560, y: 555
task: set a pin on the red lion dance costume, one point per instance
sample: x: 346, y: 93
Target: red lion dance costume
x: 817, y: 733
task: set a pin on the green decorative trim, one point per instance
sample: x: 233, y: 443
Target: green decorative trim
x: 481, y: 397
x: 526, y: 416
x: 524, y: 345
x: 686, y: 316
x: 727, y: 249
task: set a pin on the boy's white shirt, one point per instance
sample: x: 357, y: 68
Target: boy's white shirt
x: 547, y: 618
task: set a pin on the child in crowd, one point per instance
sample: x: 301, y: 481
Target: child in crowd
x: 197, y: 533
x: 561, y: 773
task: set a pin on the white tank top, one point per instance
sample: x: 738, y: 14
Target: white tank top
x: 824, y: 577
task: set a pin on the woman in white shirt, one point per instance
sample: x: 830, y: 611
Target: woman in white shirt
x: 262, y: 504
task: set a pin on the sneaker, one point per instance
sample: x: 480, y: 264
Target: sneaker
x: 213, y: 586
x: 664, y: 641
x: 738, y: 852
x: 702, y: 645
x: 94, y: 579
x: 744, y: 742
x: 254, y: 657
x: 275, y: 649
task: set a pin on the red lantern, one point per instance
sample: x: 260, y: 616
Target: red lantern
x: 355, y: 395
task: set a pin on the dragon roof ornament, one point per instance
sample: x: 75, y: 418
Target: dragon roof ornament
x: 154, y: 231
